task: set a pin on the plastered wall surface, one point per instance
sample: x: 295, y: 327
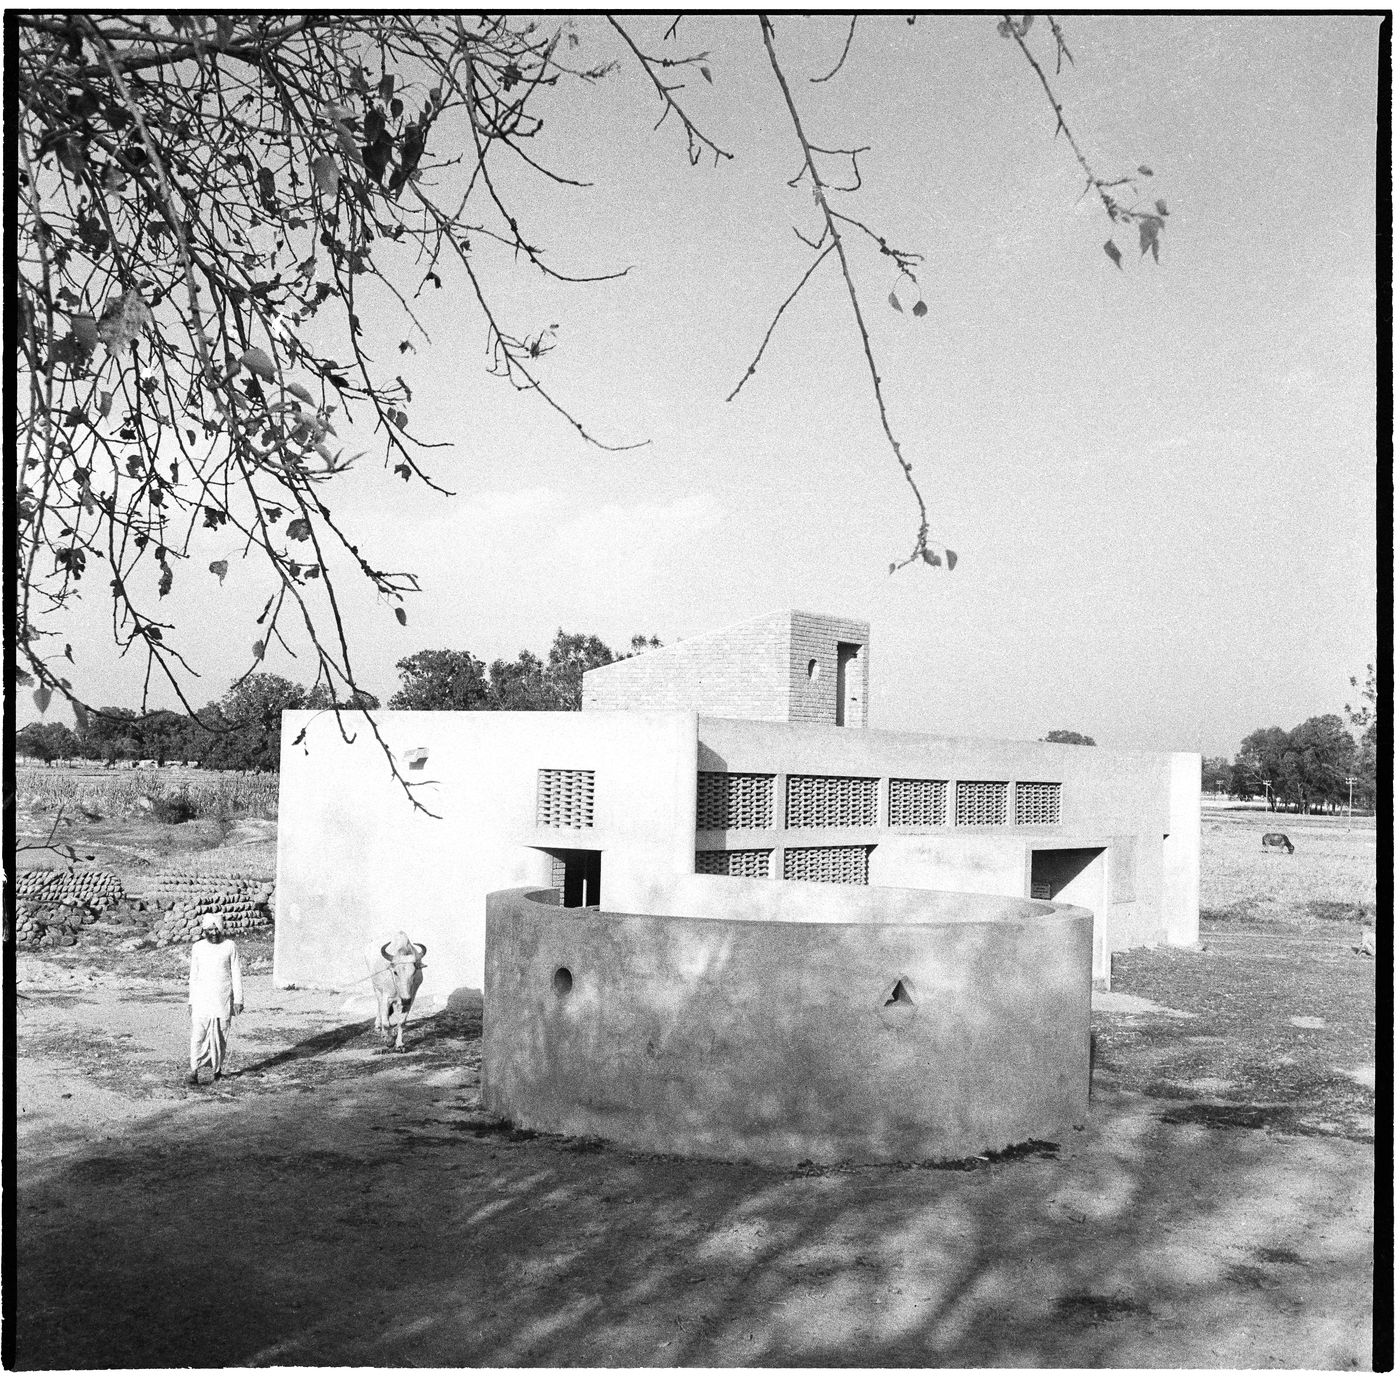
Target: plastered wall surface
x: 356, y: 862
x: 1181, y: 882
x: 1125, y: 802
x: 780, y: 1041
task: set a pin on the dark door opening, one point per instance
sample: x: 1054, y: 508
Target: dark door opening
x: 850, y: 697
x: 1076, y: 876
x: 577, y: 876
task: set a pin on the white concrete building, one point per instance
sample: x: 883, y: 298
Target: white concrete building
x: 744, y: 752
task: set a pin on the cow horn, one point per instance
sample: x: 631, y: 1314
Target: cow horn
x: 384, y: 953
x: 422, y: 949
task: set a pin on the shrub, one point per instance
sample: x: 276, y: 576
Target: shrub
x: 174, y: 809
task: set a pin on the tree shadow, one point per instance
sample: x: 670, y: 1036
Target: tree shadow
x: 313, y: 1046
x: 393, y: 1224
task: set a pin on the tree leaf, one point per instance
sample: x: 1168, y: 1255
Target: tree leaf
x: 299, y: 530
x: 386, y: 86
x: 104, y: 406
x: 258, y: 361
x: 401, y: 616
x: 952, y: 558
x: 403, y: 471
x: 42, y: 695
x: 79, y: 715
x: 1149, y: 227
x: 220, y: 568
x: 167, y: 578
x: 85, y: 330
x: 258, y: 649
x: 23, y: 677
x: 1111, y: 249
x: 325, y: 173
x: 894, y: 302
x: 931, y: 557
x: 705, y: 72
x: 68, y: 651
x: 1145, y: 170
x: 123, y: 319
x: 1161, y: 208
x: 304, y: 394
x: 921, y: 307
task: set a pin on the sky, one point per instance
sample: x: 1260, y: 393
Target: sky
x: 1160, y: 482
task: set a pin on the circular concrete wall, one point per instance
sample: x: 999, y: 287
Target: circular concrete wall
x: 785, y: 1041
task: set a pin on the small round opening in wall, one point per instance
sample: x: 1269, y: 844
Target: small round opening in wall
x: 814, y: 670
x: 563, y: 981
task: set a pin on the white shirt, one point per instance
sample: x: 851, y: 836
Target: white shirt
x: 216, y: 980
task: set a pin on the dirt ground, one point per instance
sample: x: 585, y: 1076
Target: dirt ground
x: 329, y: 1204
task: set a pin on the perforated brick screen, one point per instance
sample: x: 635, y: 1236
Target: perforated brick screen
x: 739, y: 862
x: 918, y: 803
x: 980, y: 802
x: 848, y: 866
x: 1037, y: 802
x: 564, y: 799
x: 831, y: 801
x: 729, y: 799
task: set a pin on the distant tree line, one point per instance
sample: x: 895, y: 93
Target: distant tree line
x: 1306, y: 769
x: 242, y: 731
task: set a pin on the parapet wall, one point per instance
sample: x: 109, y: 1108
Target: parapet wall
x: 932, y: 1037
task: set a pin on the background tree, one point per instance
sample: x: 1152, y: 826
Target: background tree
x: 247, y: 724
x: 46, y: 741
x: 1067, y: 736
x: 457, y: 680
x: 1215, y: 775
x: 1366, y: 717
x: 207, y: 202
x: 441, y: 680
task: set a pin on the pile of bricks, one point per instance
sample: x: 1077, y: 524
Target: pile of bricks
x: 88, y: 887
x: 39, y: 925
x: 241, y: 901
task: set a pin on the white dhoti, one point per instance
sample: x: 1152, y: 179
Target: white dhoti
x: 208, y: 1041
x: 216, y: 996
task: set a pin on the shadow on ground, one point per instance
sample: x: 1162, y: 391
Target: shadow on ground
x: 388, y: 1222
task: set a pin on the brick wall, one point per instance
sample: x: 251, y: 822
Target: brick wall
x: 815, y: 638
x: 781, y: 667
x: 737, y: 672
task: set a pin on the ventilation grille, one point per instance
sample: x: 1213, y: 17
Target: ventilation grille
x: 846, y: 866
x: 740, y: 862
x: 1037, y: 802
x: 981, y: 802
x: 918, y: 803
x: 1041, y: 890
x: 731, y: 800
x: 831, y: 802
x: 565, y: 799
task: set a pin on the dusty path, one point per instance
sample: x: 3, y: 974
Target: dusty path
x: 330, y: 1205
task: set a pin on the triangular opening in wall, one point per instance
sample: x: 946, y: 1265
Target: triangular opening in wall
x: 899, y: 994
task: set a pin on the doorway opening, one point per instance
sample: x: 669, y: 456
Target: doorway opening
x: 1076, y: 876
x: 577, y: 875
x: 850, y: 686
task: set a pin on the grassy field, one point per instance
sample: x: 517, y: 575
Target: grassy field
x: 1282, y: 1006
x: 99, y: 794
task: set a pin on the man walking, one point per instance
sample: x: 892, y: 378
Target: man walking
x: 216, y: 996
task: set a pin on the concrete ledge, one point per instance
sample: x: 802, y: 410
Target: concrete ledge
x: 784, y: 1041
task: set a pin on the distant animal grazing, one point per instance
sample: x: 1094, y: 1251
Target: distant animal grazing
x: 396, y: 973
x: 1278, y: 840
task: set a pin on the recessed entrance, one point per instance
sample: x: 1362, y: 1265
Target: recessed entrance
x: 577, y: 875
x: 1076, y: 876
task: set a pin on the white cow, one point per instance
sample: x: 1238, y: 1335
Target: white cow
x: 396, y: 973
